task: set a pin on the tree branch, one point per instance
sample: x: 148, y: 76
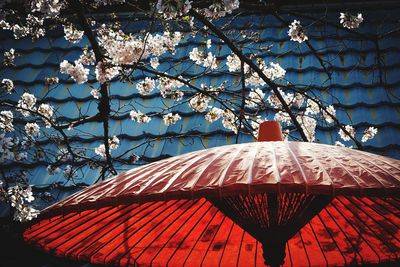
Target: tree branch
x: 260, y: 73
x: 104, y: 104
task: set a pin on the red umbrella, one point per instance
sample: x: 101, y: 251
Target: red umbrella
x: 289, y: 203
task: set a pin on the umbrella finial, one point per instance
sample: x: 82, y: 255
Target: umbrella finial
x: 270, y: 131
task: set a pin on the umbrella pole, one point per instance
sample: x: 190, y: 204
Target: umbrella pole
x: 274, y: 252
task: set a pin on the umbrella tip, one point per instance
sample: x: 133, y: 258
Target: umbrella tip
x: 270, y: 131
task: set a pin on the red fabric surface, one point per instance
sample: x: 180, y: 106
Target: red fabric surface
x: 193, y: 233
x: 243, y: 168
x: 155, y: 215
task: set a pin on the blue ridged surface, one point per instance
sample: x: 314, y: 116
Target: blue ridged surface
x: 364, y: 91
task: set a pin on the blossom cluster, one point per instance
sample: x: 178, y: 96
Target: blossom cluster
x: 199, y: 102
x: 113, y: 144
x: 220, y: 8
x: 18, y: 197
x: 71, y: 34
x: 9, y: 57
x: 7, y: 85
x: 297, y: 32
x: 77, y: 71
x: 139, y: 117
x: 229, y: 120
x: 147, y: 86
x: 168, y: 86
x: 26, y: 103
x: 350, y: 130
x: 351, y: 21
x: 255, y: 98
x: 126, y: 49
x: 369, y: 133
x: 32, y: 129
x: 214, y: 114
x: 105, y: 73
x: 170, y: 118
x: 49, y: 8
x: 6, y: 121
x: 171, y: 9
x: 200, y: 58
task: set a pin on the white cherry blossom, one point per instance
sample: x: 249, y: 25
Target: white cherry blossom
x: 350, y: 130
x: 308, y: 125
x: 154, y: 63
x: 47, y: 112
x: 351, y: 21
x: 95, y: 93
x: 6, y: 121
x: 213, y: 115
x: 369, y: 133
x: 71, y: 34
x: 330, y: 109
x: 27, y: 102
x: 146, y: 87
x: 105, y: 72
x: 139, y: 117
x: 297, y: 32
x: 170, y: 118
x: 229, y: 120
x: 32, y: 129
x: 255, y: 98
x: 199, y: 102
x: 77, y: 71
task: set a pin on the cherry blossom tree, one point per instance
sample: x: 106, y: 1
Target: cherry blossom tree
x: 116, y: 54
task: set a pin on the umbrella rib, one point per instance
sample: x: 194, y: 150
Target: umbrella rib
x: 120, y: 223
x: 357, y: 161
x: 379, y: 167
x: 187, y: 234
x: 256, y: 253
x: 396, y: 200
x: 202, y: 233
x: 212, y: 160
x: 320, y: 247
x: 366, y: 213
x: 136, y: 230
x: 133, y: 207
x: 226, y: 242
x: 189, y: 206
x: 380, y: 158
x: 179, y: 228
x: 58, y: 227
x: 356, y: 229
x: 343, y: 168
x: 90, y: 219
x: 138, y: 175
x: 290, y: 254
x: 158, y: 175
x: 304, y: 247
x: 275, y: 163
x: 362, y: 221
x: 379, y: 212
x: 332, y: 238
x: 298, y: 165
x: 345, y: 235
x: 228, y: 166
x: 212, y: 240
x: 385, y: 200
x: 127, y: 208
x: 179, y: 173
x: 241, y: 245
x: 250, y: 173
x: 49, y: 221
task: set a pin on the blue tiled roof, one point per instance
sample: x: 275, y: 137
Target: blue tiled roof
x: 364, y: 92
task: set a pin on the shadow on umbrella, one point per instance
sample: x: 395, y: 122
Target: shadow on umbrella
x: 274, y: 203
